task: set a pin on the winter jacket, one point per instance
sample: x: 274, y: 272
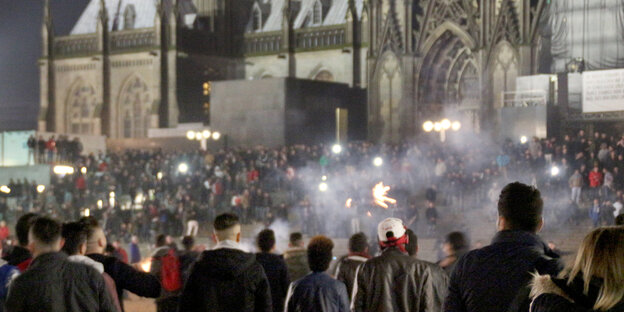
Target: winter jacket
x: 595, y: 178
x: 345, y: 270
x: 396, y: 282
x: 7, y: 274
x: 297, y: 262
x: 277, y: 274
x: 226, y: 280
x: 19, y: 257
x: 55, y: 284
x: 168, y: 300
x: 110, y: 284
x: 128, y: 278
x: 576, y: 180
x: 493, y: 278
x: 317, y: 292
x: 135, y: 253
x: 554, y: 294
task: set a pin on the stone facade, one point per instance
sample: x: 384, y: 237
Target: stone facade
x: 417, y: 60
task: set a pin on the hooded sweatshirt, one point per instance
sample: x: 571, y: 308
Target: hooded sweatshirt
x: 226, y: 279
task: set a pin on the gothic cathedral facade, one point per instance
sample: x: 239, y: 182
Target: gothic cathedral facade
x: 131, y: 65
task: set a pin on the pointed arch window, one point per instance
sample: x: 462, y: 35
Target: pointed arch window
x: 129, y: 17
x: 317, y: 13
x: 256, y: 19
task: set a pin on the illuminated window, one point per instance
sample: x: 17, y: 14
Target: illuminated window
x: 135, y: 108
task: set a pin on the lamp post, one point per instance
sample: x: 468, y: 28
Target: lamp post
x: 203, y: 136
x: 441, y: 126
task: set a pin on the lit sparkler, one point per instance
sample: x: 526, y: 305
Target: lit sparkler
x: 146, y: 265
x: 380, y: 192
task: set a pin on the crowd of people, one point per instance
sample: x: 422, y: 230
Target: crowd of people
x: 65, y: 267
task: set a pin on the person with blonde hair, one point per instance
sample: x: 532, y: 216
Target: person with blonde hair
x: 594, y: 283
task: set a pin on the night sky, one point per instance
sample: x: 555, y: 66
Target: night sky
x: 20, y: 47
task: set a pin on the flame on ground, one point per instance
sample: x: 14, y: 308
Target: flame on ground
x: 348, y: 203
x: 380, y: 192
x: 146, y: 265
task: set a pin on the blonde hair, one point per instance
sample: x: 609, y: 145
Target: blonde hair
x: 602, y: 255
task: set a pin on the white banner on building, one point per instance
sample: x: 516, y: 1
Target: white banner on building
x: 603, y: 91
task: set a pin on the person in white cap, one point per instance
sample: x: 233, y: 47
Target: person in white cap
x: 396, y: 282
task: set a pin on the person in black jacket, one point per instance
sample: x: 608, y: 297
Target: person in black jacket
x: 19, y: 255
x: 125, y: 276
x: 53, y: 283
x: 347, y: 266
x: 495, y: 278
x: 274, y: 267
x: 593, y: 283
x: 317, y: 291
x: 226, y: 278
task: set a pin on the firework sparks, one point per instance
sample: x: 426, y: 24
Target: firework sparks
x: 380, y: 194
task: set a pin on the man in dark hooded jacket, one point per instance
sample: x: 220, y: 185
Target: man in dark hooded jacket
x: 19, y: 255
x: 226, y: 278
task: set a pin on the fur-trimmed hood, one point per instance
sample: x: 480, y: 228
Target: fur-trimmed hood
x: 543, y: 284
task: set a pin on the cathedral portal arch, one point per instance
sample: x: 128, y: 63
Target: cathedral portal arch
x: 80, y: 107
x: 134, y: 108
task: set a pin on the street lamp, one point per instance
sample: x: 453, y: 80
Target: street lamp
x: 323, y: 187
x: 441, y: 126
x: 40, y: 188
x: 183, y: 168
x: 523, y: 139
x: 377, y: 161
x: 336, y: 149
x: 203, y: 136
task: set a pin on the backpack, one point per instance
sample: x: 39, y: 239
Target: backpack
x: 170, y: 272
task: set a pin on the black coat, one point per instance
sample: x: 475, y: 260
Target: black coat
x: 18, y: 255
x: 554, y: 294
x: 277, y: 274
x: 346, y: 269
x: 128, y: 278
x: 226, y: 280
x: 317, y: 292
x: 490, y: 278
x: 54, y: 284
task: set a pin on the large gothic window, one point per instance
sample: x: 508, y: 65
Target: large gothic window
x: 390, y: 93
x: 504, y: 74
x: 129, y: 17
x: 80, y: 108
x: 134, y: 109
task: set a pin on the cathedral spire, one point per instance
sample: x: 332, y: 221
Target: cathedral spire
x: 47, y: 14
x: 103, y: 14
x: 47, y: 29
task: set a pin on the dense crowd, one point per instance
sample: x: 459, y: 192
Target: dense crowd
x: 148, y: 192
x: 68, y: 267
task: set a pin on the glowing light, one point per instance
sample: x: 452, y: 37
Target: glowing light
x: 199, y: 136
x: 40, y: 188
x: 523, y: 139
x: 139, y: 198
x: 456, y: 125
x: 446, y: 124
x: 100, y: 204
x: 437, y: 127
x: 348, y: 203
x: 111, y: 199
x: 146, y: 265
x: 368, y: 213
x: 324, y: 178
x: 206, y: 134
x: 111, y: 195
x: 62, y: 170
x: 428, y: 126
x: 190, y: 135
x: 183, y: 168
x: 87, y: 212
x: 159, y: 175
x: 5, y: 189
x: 323, y: 187
x: 554, y: 171
x: 378, y: 161
x: 216, y: 135
x: 337, y: 149
x: 83, y: 170
x: 380, y: 194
